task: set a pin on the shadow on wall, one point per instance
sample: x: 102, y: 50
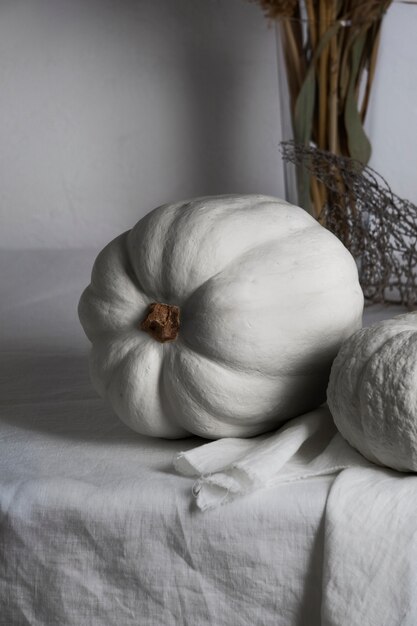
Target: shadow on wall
x: 184, y: 73
x: 113, y: 108
x: 214, y: 90
x: 216, y: 66
x: 215, y: 124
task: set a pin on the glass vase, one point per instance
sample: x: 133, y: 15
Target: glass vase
x: 325, y: 73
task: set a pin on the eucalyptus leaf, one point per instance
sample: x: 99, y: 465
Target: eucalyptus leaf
x: 304, y: 106
x: 358, y: 143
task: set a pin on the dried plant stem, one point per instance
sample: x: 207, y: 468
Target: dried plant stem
x: 323, y: 61
x: 293, y: 52
x: 333, y: 97
x: 330, y: 64
x: 316, y: 197
x: 291, y: 60
x: 309, y: 4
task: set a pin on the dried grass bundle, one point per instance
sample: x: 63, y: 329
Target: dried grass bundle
x: 330, y: 50
x: 378, y: 227
x: 274, y: 9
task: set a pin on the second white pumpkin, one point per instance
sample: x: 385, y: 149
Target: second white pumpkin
x: 372, y: 392
x: 265, y: 296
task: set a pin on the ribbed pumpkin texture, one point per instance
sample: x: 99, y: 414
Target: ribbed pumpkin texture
x: 219, y: 316
x: 372, y: 392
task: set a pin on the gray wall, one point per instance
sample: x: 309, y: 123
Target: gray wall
x: 111, y: 107
x: 392, y: 119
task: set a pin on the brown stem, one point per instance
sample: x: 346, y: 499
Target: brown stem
x: 293, y: 86
x: 293, y: 55
x: 316, y: 197
x: 311, y: 22
x: 333, y: 94
x: 323, y: 61
x: 162, y: 322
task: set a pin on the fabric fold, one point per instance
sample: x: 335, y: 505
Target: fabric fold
x: 370, y: 549
x: 306, y: 446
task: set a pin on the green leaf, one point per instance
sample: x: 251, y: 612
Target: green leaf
x: 303, y: 123
x: 358, y: 143
x: 304, y: 109
x: 304, y: 106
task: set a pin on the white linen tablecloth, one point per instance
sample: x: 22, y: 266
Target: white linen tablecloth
x: 95, y: 526
x: 370, y: 555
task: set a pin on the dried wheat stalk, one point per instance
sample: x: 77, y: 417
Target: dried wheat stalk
x: 330, y: 51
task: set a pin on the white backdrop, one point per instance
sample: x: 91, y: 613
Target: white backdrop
x: 109, y: 108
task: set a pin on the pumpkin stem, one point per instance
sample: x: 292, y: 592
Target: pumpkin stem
x: 162, y: 321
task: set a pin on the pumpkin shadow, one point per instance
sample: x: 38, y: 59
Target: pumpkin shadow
x: 51, y: 393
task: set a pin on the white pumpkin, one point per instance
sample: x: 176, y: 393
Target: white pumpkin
x: 263, y: 296
x: 372, y: 392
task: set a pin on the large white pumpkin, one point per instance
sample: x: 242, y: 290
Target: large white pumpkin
x: 372, y: 392
x: 219, y: 316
